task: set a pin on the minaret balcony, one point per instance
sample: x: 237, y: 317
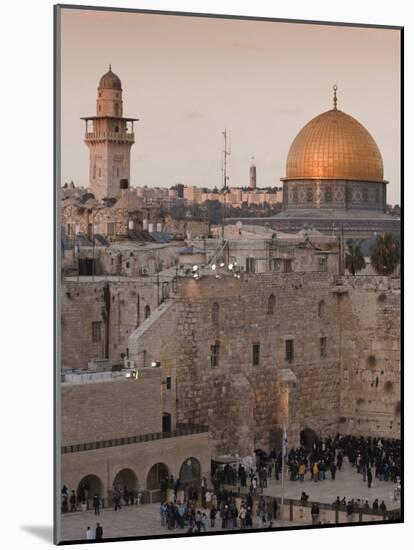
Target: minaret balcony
x: 119, y: 137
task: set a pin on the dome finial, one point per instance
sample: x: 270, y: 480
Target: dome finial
x: 335, y: 100
x: 110, y: 67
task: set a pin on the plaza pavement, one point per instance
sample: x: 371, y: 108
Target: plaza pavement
x: 348, y: 483
x: 131, y: 521
x: 144, y: 520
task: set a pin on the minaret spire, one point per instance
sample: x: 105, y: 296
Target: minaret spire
x: 110, y: 67
x: 335, y: 99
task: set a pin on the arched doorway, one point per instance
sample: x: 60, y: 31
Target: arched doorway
x: 125, y: 477
x: 158, y: 472
x: 307, y: 438
x: 88, y: 487
x: 190, y: 472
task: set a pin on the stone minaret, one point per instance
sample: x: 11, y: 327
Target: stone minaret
x: 109, y: 137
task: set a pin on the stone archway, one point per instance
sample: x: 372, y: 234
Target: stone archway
x: 157, y: 472
x: 88, y: 487
x: 190, y: 472
x: 307, y: 438
x: 125, y: 477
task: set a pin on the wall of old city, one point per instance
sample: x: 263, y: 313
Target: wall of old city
x: 244, y: 321
x: 99, y: 411
x: 246, y: 405
x: 370, y: 354
x: 242, y: 403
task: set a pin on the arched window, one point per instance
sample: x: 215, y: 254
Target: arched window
x: 215, y: 313
x: 147, y: 311
x: 271, y: 304
x: 321, y: 309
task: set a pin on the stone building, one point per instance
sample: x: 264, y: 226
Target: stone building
x: 97, y: 316
x: 115, y: 432
x: 115, y: 221
x: 257, y: 249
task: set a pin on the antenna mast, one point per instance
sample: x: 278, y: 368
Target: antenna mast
x: 226, y: 153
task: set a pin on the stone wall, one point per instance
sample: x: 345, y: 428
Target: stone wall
x: 98, y: 411
x: 81, y: 305
x: 86, y: 302
x: 186, y: 228
x: 129, y: 260
x: 206, y: 393
x: 370, y: 350
x: 155, y: 340
x: 333, y: 327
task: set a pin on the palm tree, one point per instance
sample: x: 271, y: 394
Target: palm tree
x: 385, y: 255
x: 354, y: 259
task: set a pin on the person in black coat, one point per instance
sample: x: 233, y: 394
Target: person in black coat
x: 369, y: 477
x: 98, y: 532
x: 96, y: 504
x: 315, y: 513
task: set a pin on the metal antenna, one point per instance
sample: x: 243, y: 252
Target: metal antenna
x: 226, y: 153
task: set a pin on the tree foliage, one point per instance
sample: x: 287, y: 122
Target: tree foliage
x: 385, y: 254
x: 354, y: 259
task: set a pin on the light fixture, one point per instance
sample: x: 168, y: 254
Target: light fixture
x: 222, y: 264
x: 213, y: 267
x: 156, y: 364
x: 230, y: 267
x: 195, y: 267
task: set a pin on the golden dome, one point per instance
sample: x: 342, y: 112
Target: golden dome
x: 334, y: 145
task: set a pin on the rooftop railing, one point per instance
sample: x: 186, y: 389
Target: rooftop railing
x: 123, y: 136
x: 182, y: 430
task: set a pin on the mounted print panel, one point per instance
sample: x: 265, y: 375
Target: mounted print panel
x: 228, y: 289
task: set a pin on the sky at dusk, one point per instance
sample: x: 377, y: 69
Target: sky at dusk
x: 187, y: 78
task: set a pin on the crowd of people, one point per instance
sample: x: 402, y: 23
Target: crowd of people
x: 196, y: 507
x: 221, y: 511
x: 371, y: 457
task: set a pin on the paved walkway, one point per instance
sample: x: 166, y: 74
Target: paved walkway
x: 348, y: 483
x: 144, y: 520
x: 131, y: 521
